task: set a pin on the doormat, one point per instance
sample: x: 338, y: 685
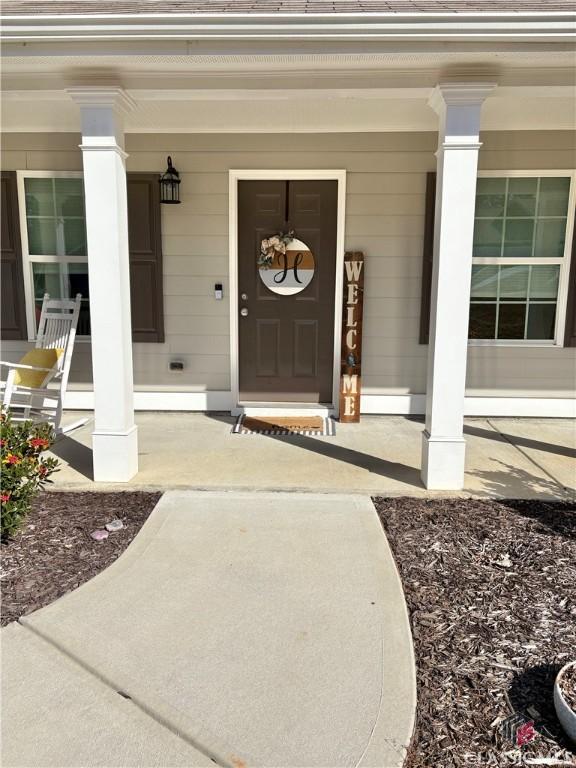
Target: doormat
x: 284, y: 425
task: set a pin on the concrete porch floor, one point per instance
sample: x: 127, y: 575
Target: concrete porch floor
x: 513, y: 458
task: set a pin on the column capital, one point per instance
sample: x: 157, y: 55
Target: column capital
x: 458, y: 105
x: 103, y: 96
x: 460, y: 94
x: 102, y: 111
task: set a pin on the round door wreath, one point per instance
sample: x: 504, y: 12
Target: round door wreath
x: 285, y: 264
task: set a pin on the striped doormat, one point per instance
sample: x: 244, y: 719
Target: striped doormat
x: 284, y: 425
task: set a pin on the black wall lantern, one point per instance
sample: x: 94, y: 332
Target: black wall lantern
x: 170, y: 185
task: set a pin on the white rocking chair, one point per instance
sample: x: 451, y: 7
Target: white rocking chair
x: 35, y: 387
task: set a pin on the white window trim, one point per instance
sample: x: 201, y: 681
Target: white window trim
x: 28, y: 260
x: 562, y: 302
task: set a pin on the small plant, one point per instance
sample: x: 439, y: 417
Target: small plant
x: 24, y: 470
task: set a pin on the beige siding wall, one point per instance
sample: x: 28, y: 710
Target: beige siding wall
x: 384, y: 218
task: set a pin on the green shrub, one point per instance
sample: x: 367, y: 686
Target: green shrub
x: 24, y: 469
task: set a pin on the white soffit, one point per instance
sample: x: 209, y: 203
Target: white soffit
x: 328, y: 92
x: 193, y: 57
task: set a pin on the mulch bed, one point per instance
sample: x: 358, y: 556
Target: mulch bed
x: 491, y: 591
x: 53, y: 553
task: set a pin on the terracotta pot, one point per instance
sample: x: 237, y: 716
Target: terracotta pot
x: 566, y: 714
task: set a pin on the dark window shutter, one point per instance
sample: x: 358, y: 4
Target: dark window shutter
x: 427, y: 257
x: 570, y: 332
x: 145, y: 245
x: 13, y: 302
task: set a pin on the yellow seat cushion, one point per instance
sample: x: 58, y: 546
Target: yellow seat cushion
x: 42, y: 358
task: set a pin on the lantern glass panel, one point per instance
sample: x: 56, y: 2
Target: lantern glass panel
x: 170, y: 185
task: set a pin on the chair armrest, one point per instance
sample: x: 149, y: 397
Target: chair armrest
x: 26, y: 367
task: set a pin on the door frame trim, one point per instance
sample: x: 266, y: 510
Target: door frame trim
x: 234, y: 176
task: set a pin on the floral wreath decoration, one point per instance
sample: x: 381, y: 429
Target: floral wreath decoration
x: 270, y: 246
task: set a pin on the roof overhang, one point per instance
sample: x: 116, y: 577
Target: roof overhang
x: 345, y: 27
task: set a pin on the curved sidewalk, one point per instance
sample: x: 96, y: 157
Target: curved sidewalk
x: 241, y: 629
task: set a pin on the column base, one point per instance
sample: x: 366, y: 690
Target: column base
x: 115, y: 456
x: 443, y: 462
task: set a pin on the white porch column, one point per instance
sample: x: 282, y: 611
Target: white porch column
x: 114, y: 440
x: 443, y: 447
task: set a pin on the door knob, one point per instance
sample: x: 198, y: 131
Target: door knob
x: 244, y: 311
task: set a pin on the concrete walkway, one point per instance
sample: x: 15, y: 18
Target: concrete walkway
x: 238, y: 629
x: 510, y: 458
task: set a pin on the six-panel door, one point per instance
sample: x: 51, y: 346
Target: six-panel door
x: 286, y: 319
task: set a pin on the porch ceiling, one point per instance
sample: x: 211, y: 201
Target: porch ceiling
x: 321, y: 92
x: 207, y: 87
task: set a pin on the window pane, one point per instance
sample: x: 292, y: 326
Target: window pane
x: 487, y: 238
x: 541, y: 321
x: 544, y: 282
x: 482, y: 321
x: 83, y: 328
x: 490, y: 197
x: 78, y: 280
x: 511, y: 319
x: 550, y: 234
x: 78, y: 283
x: 484, y: 282
x: 46, y: 278
x: 39, y: 195
x: 518, y: 239
x: 74, y: 237
x: 69, y: 197
x: 41, y: 237
x: 553, y: 198
x: 521, y: 197
x: 514, y: 282
x: 49, y: 278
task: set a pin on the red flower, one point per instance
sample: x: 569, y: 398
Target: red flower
x: 42, y: 470
x: 4, y: 497
x: 2, y: 443
x: 12, y: 459
x: 38, y: 442
x: 525, y: 734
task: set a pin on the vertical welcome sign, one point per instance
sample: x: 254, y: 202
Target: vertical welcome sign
x: 351, y: 362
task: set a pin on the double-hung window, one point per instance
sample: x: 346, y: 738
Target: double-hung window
x: 521, y: 254
x: 53, y: 228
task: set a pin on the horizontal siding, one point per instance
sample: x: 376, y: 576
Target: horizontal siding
x: 202, y: 306
x: 199, y: 266
x: 335, y: 142
x: 386, y: 176
x: 399, y: 204
x: 297, y: 142
x: 214, y: 162
x: 199, y: 245
x: 181, y: 325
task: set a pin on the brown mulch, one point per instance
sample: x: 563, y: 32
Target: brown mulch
x: 53, y: 553
x: 491, y: 591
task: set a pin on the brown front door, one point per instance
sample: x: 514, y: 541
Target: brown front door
x: 286, y: 311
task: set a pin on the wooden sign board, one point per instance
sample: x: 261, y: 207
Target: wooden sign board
x: 351, y: 361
